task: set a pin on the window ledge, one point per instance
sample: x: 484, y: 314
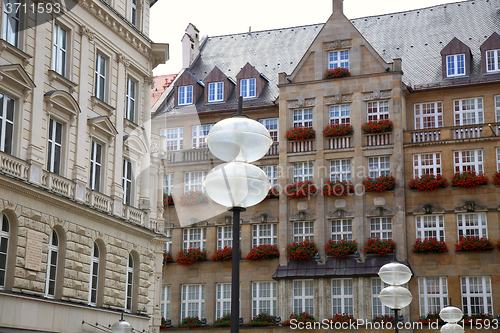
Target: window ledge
x: 53, y: 75
x: 130, y: 124
x: 456, y: 77
x: 4, y: 45
x: 104, y: 106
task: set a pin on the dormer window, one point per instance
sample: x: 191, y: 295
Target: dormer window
x: 215, y: 92
x: 455, y: 65
x: 338, y: 59
x: 490, y: 54
x: 247, y: 88
x: 185, y: 95
x: 456, y: 59
x: 493, y: 60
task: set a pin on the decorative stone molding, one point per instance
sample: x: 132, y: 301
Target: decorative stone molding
x: 149, y: 80
x: 120, y: 58
x: 300, y: 103
x: 428, y: 209
x: 377, y: 94
x: 337, y: 44
x: 470, y: 206
x: 339, y: 214
x: 380, y: 212
x: 302, y: 216
x: 263, y: 218
x: 85, y: 31
x: 338, y: 99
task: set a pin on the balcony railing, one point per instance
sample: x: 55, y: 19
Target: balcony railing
x: 273, y: 150
x: 133, y: 214
x: 467, y: 132
x: 301, y: 146
x: 192, y: 155
x: 99, y: 201
x: 426, y: 136
x: 452, y: 133
x: 58, y: 184
x: 14, y: 166
x: 378, y: 139
x: 338, y: 142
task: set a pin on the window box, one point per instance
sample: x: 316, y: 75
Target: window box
x: 342, y: 318
x: 336, y: 73
x: 167, y: 257
x: 428, y: 183
x: 300, y: 133
x: 478, y: 318
x: 168, y: 200
x: 496, y: 179
x: 301, y: 190
x: 304, y: 250
x: 469, y: 179
x: 224, y: 254
x: 475, y: 244
x: 379, y: 184
x: 341, y: 248
x: 378, y: 126
x: 164, y: 323
x: 431, y: 318
x: 263, y: 252
x: 300, y: 318
x: 384, y: 319
x: 191, y: 256
x: 429, y: 245
x: 262, y: 319
x: 190, y: 322
x: 273, y: 193
x: 379, y: 247
x: 337, y: 130
x: 194, y: 197
x: 223, y: 321
x: 338, y: 188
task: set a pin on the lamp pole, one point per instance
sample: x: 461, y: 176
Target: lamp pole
x: 235, y: 275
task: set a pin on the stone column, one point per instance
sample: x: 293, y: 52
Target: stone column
x: 144, y: 202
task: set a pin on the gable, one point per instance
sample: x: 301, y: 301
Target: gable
x: 456, y: 46
x: 188, y: 79
x: 492, y: 43
x: 216, y: 75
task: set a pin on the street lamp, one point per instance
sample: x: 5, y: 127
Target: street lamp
x: 121, y: 326
x: 395, y: 296
x: 237, y: 184
x: 451, y: 315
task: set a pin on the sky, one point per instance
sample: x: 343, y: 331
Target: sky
x: 169, y: 18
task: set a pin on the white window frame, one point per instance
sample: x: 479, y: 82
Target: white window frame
x: 222, y: 300
x: 127, y: 182
x: 433, y: 294
x: 4, y: 243
x: 303, y: 117
x: 215, y: 92
x: 248, y: 88
x: 96, y: 166
x: 264, y: 234
x: 381, y: 228
x: 6, y: 143
x: 492, y: 61
x: 303, y: 231
x: 455, y: 65
x: 100, y: 77
x: 168, y: 183
x: 224, y: 236
x: 340, y: 169
x: 59, y: 49
x: 379, y: 166
x: 197, y: 301
x: 133, y: 12
x: 11, y: 32
x: 472, y: 224
x: 303, y: 171
x: 174, y: 138
x: 271, y: 172
x: 468, y: 111
x: 168, y: 244
x: 340, y: 114
x: 378, y: 309
x: 165, y: 301
x: 497, y: 108
x: 377, y: 110
x: 194, y: 238
x: 264, y: 298
x: 193, y: 180
x: 429, y: 163
x: 94, y: 275
x: 54, y: 147
x: 341, y: 229
x: 185, y: 95
x: 430, y: 226
x: 303, y: 296
x: 52, y: 261
x: 498, y: 159
x: 272, y: 125
x: 130, y: 100
x: 338, y: 59
x: 428, y: 115
x: 129, y: 286
x: 473, y: 160
x: 199, y: 134
x: 478, y: 287
x: 342, y: 296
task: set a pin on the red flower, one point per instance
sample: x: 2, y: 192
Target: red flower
x: 191, y: 198
x: 338, y: 188
x: 273, y: 193
x: 475, y: 244
x: 380, y: 184
x: 337, y: 130
x: 336, y: 72
x: 300, y: 133
x: 301, y: 190
x: 429, y: 245
x: 428, y: 183
x: 342, y: 318
x: 262, y: 319
x: 304, y: 250
x: 167, y: 200
x: 378, y: 126
x: 383, y: 319
x: 224, y: 254
x: 301, y: 318
x: 191, y: 256
x: 341, y: 248
x: 167, y: 257
x: 469, y: 179
x: 496, y: 179
x: 263, y: 252
x: 190, y: 322
x: 379, y: 247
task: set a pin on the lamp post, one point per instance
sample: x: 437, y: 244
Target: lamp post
x: 395, y: 296
x: 237, y: 184
x: 121, y: 326
x: 451, y: 315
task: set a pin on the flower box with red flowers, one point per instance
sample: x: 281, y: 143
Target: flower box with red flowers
x: 336, y: 73
x: 224, y: 321
x: 262, y: 319
x: 379, y: 184
x: 164, y: 323
x: 300, y: 318
x: 301, y: 190
x: 342, y: 318
x: 300, y: 133
x: 190, y: 322
x: 337, y: 130
x: 304, y: 250
x: 474, y: 244
x: 224, y: 254
x: 194, y: 197
x: 341, y: 248
x: 167, y: 258
x: 379, y: 247
x: 496, y: 179
x: 478, y: 318
x: 429, y: 245
x: 168, y: 200
x: 191, y: 256
x: 263, y: 252
x: 469, y: 179
x: 273, y: 193
x: 428, y: 183
x: 431, y: 318
x: 384, y: 319
x: 338, y: 188
x: 378, y: 126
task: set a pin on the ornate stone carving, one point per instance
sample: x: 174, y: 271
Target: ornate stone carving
x: 121, y: 58
x: 470, y: 206
x: 300, y: 103
x: 149, y: 80
x: 338, y: 99
x: 379, y: 211
x: 263, y: 218
x: 85, y: 31
x: 377, y: 94
x: 429, y: 209
x: 338, y: 44
x: 339, y: 214
x: 302, y: 216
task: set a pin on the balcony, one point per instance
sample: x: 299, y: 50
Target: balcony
x: 464, y: 132
x: 274, y: 150
x: 301, y: 146
x: 187, y: 156
x: 338, y: 142
x: 377, y: 139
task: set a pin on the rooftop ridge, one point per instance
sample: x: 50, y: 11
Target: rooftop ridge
x: 269, y: 30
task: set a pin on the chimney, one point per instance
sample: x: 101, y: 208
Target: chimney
x: 338, y: 6
x: 190, y: 45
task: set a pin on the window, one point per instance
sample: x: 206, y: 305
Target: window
x: 185, y: 95
x: 168, y: 184
x: 216, y: 92
x: 381, y: 227
x: 224, y: 236
x: 165, y: 302
x: 341, y: 229
x: 433, y: 294
x: 264, y: 234
x: 193, y: 301
x: 379, y: 166
x: 174, y: 138
x: 497, y: 108
x: 127, y: 182
x: 472, y: 224
x: 100, y: 77
x: 6, y: 123
x: 133, y: 12
x: 59, y: 50
x: 340, y: 170
x: 130, y: 100
x: 94, y: 275
x: 466, y: 160
x: 130, y: 282
x: 54, y: 147
x: 247, y: 89
x: 271, y: 172
x: 264, y: 298
x: 455, y: 65
x: 430, y: 226
x: 4, y: 246
x: 377, y: 110
x: 378, y: 309
x: 468, y: 111
x: 199, y: 134
x: 476, y: 295
x: 340, y: 114
x: 223, y: 300
x: 272, y: 126
x: 11, y: 21
x: 428, y: 115
x: 424, y: 164
x: 493, y: 60
x: 51, y: 274
x: 95, y: 166
x: 168, y: 245
x: 303, y: 118
x: 338, y: 59
x: 303, y: 171
x: 194, y: 238
x: 498, y: 159
x: 303, y: 296
x: 303, y: 231
x: 194, y: 181
x: 342, y: 297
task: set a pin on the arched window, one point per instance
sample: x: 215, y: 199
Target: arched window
x: 130, y: 281
x: 4, y: 246
x: 94, y: 275
x: 50, y: 279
